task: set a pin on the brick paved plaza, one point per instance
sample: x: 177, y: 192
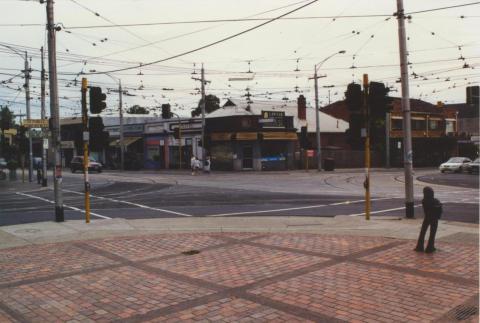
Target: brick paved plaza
x: 239, y: 277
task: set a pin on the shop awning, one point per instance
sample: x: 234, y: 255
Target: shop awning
x: 246, y: 136
x: 279, y: 136
x: 126, y: 141
x: 221, y: 136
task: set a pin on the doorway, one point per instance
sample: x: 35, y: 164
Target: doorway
x: 247, y: 162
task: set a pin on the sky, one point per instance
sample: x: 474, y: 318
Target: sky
x: 271, y: 62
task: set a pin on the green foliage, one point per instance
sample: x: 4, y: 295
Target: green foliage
x: 136, y: 109
x: 212, y: 103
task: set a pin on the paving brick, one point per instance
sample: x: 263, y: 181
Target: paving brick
x: 97, y: 292
x: 37, y: 261
x: 451, y: 259
x: 146, y: 247
x: 351, y: 285
x: 237, y: 265
x: 231, y: 310
x: 329, y: 244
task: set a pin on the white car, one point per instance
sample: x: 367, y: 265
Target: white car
x: 455, y: 164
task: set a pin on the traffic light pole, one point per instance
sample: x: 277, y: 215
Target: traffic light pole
x: 367, y: 147
x: 43, y: 116
x: 54, y: 113
x: 407, y: 126
x: 85, y: 149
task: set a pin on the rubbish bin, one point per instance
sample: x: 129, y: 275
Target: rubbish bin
x: 329, y: 164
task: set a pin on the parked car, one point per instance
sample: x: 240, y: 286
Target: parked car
x: 473, y: 166
x: 3, y: 163
x: 77, y: 164
x: 455, y: 164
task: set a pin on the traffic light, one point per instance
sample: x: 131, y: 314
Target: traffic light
x: 95, y: 126
x: 97, y: 100
x: 176, y: 133
x: 354, y: 97
x: 166, y: 112
x: 378, y: 101
x: 354, y: 131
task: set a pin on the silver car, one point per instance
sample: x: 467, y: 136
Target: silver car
x: 455, y: 164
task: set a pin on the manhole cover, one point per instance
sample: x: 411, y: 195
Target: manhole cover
x: 190, y: 252
x: 464, y: 312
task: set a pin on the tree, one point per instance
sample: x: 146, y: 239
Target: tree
x: 212, y: 103
x: 136, y: 109
x: 7, y: 120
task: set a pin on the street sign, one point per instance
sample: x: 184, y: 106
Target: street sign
x: 35, y: 123
x: 310, y: 153
x: 66, y: 144
x: 45, y: 143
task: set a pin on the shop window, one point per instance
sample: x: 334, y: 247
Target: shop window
x: 418, y: 124
x: 434, y: 125
x: 450, y: 126
x: 397, y: 124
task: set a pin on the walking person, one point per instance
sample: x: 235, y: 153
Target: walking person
x: 207, y: 165
x: 193, y: 164
x: 432, y: 209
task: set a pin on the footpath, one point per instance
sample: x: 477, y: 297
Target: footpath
x: 237, y: 269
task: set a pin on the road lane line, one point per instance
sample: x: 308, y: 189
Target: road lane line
x: 296, y: 208
x: 383, y: 211
x: 67, y: 206
x: 131, y: 203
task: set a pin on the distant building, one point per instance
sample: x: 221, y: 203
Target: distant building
x: 434, y: 131
x: 263, y: 135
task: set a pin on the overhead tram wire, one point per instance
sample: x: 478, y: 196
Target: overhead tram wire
x: 210, y: 44
x: 266, y: 19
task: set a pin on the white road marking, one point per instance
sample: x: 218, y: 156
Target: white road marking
x: 131, y: 203
x: 295, y: 208
x: 67, y: 206
x: 383, y: 211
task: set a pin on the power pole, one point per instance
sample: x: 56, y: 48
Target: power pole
x: 387, y: 140
x: 120, y: 111
x: 85, y: 149
x: 54, y: 113
x: 27, y: 103
x: 366, y: 111
x: 43, y: 116
x: 317, y: 119
x: 407, y: 128
x: 202, y: 79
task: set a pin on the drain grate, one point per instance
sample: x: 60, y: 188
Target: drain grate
x: 463, y: 312
x: 190, y: 252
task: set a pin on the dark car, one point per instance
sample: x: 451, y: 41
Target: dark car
x: 77, y: 164
x: 472, y: 167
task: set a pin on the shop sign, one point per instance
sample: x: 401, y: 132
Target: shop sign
x: 272, y: 119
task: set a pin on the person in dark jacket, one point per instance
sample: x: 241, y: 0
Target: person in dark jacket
x: 432, y: 209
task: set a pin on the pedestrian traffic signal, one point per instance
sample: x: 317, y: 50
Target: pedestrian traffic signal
x: 354, y: 97
x: 97, y: 100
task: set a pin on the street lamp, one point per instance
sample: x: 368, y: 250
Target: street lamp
x: 317, y: 111
x: 120, y: 114
x: 27, y: 104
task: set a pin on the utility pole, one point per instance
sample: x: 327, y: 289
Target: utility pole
x: 43, y: 116
x: 54, y: 113
x: 407, y: 128
x: 85, y: 149
x: 387, y: 140
x: 120, y: 111
x: 203, y: 113
x: 27, y: 103
x: 366, y: 111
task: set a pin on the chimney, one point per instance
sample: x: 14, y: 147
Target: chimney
x: 302, y: 108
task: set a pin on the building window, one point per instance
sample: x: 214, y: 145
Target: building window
x: 433, y: 124
x: 397, y: 124
x: 418, y: 124
x: 450, y: 126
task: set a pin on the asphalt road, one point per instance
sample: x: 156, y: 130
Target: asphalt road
x: 139, y: 195
x: 452, y: 179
